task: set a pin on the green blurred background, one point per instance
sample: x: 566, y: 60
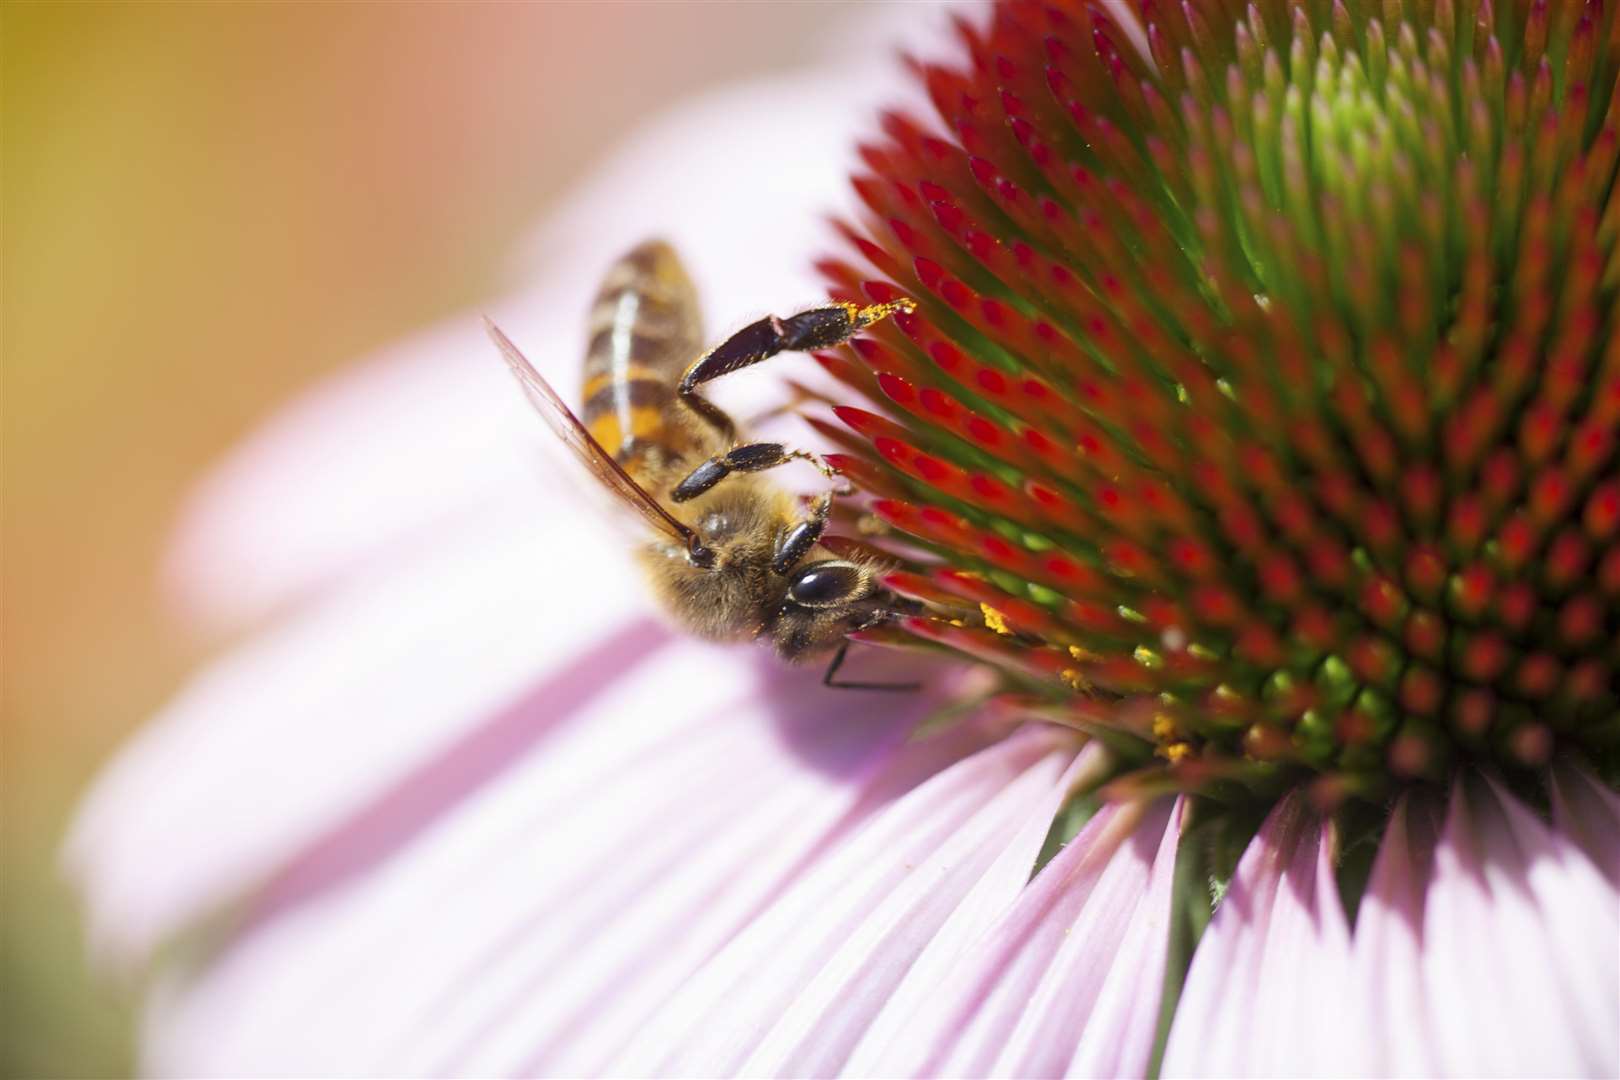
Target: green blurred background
x: 207, y: 206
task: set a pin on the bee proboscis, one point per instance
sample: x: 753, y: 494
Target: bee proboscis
x: 730, y: 554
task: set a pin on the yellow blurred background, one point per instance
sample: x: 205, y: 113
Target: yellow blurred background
x: 207, y: 206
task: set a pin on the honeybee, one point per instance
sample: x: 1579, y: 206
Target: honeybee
x: 729, y: 554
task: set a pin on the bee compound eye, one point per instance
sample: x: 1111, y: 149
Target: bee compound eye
x: 824, y: 584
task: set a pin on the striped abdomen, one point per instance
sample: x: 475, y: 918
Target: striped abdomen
x: 644, y: 331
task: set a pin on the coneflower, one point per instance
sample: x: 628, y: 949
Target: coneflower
x: 1269, y: 384
x: 1259, y: 416
x: 1254, y: 437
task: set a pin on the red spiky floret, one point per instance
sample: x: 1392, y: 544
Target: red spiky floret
x: 1265, y: 375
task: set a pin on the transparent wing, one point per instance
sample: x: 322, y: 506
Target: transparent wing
x: 561, y: 419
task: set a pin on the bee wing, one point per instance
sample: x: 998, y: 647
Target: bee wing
x: 561, y: 419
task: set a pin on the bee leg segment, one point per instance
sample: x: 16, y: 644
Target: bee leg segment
x: 817, y: 328
x: 701, y: 479
x: 795, y: 543
x: 750, y: 457
x: 838, y: 661
x: 698, y: 555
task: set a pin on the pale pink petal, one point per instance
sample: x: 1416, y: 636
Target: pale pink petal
x: 1387, y: 952
x: 1068, y: 980
x: 1118, y: 1033
x: 1589, y: 814
x: 281, y: 742
x: 1307, y: 961
x: 556, y: 883
x: 948, y: 955
x: 1490, y: 947
x: 1268, y: 982
x: 949, y: 895
x: 1521, y: 940
x: 373, y: 463
x: 943, y: 835
x: 569, y: 1014
x: 1521, y: 945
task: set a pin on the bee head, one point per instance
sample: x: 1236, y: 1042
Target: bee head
x: 824, y: 601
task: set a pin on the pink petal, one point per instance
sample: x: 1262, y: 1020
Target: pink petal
x: 1390, y: 1014
x: 1276, y: 954
x: 295, y: 733
x: 855, y: 908
x: 373, y: 463
x: 1489, y: 947
x: 574, y: 1026
x: 612, y: 864
x: 1521, y: 939
x: 1119, y: 1032
x: 1589, y: 814
x: 1066, y: 980
x: 951, y: 891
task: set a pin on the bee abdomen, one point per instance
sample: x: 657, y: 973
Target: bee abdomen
x: 625, y: 413
x: 643, y: 332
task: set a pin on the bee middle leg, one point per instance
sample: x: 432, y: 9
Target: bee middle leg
x: 750, y: 457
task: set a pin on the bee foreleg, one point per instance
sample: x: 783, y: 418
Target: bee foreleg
x: 795, y: 543
x: 817, y: 328
x: 750, y: 457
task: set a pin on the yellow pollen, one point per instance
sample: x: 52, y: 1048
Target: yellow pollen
x: 1075, y: 681
x: 1176, y: 752
x: 1082, y: 654
x: 995, y: 620
x: 1164, y: 728
x: 871, y: 525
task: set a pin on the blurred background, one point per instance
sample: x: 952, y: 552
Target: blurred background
x: 206, y: 207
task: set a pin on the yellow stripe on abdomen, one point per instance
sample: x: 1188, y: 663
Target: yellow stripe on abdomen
x: 643, y: 332
x: 646, y: 426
